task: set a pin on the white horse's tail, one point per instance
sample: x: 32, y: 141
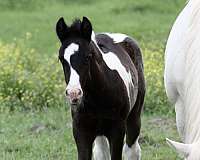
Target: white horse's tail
x: 181, y: 148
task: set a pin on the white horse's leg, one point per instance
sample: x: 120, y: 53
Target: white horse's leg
x: 133, y: 152
x: 175, y: 98
x: 101, y: 149
x: 180, y: 116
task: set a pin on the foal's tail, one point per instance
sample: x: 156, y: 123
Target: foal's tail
x: 132, y: 48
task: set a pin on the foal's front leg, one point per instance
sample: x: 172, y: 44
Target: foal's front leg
x: 84, y: 141
x: 116, y: 140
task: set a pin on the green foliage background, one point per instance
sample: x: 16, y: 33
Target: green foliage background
x: 31, y: 76
x: 32, y: 82
x: 28, y: 80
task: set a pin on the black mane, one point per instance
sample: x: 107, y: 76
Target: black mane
x: 75, y: 28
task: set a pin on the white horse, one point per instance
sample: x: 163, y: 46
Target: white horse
x: 182, y: 78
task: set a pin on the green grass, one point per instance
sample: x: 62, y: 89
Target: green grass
x: 21, y: 138
x: 148, y: 21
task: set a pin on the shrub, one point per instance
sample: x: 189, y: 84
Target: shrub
x: 155, y: 100
x: 28, y: 79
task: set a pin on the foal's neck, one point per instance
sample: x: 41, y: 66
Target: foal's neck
x: 98, y: 69
x: 103, y: 82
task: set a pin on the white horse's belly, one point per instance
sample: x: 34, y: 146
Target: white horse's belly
x: 174, y: 79
x: 175, y: 67
x: 174, y: 57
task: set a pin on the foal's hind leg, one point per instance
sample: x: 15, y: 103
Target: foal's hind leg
x: 131, y: 149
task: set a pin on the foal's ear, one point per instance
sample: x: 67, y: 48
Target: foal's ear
x: 61, y: 29
x: 86, y: 29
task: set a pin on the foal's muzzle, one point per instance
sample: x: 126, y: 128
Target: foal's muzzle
x: 74, y: 96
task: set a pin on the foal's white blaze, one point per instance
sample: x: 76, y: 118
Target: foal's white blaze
x: 101, y: 149
x: 70, y: 50
x: 117, y: 37
x: 74, y: 80
x: 113, y: 62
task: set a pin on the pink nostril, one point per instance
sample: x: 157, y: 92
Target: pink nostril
x: 75, y: 100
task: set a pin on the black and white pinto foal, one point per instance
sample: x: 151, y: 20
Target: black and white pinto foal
x: 106, y: 89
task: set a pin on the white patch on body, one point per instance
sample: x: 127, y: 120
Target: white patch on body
x: 133, y: 152
x: 101, y: 149
x: 117, y: 37
x: 113, y: 62
x: 74, y: 80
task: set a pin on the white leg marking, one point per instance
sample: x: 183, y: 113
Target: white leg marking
x: 114, y: 63
x: 101, y: 149
x: 133, y: 152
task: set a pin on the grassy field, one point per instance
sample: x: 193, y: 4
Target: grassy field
x: 47, y: 134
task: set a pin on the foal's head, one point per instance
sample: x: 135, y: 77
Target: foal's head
x: 75, y: 55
